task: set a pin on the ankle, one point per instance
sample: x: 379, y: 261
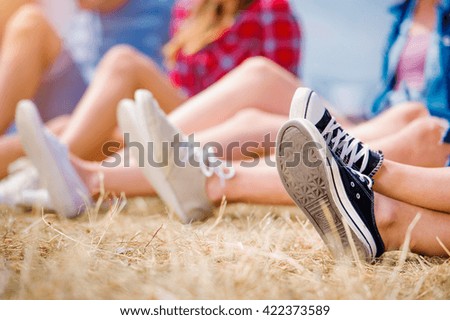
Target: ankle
x: 89, y: 175
x: 385, y: 210
x: 94, y: 183
x: 214, y: 190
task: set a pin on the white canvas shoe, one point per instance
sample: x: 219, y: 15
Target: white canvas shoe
x: 177, y: 172
x: 36, y: 197
x: 22, y: 186
x: 68, y: 194
x: 128, y: 123
x: 12, y: 186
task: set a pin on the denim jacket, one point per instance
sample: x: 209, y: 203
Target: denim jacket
x: 436, y: 91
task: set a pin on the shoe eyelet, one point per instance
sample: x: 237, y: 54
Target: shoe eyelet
x: 361, y: 178
x: 352, y: 184
x: 358, y: 196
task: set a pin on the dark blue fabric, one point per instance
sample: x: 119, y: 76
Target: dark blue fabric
x: 364, y: 205
x: 143, y: 24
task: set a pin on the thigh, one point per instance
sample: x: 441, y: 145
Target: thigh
x: 7, y: 9
x: 152, y: 78
x: 249, y: 131
x: 390, y: 121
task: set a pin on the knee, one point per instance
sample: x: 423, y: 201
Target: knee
x: 121, y: 58
x: 28, y: 21
x: 248, y: 116
x: 412, y: 111
x: 430, y: 127
x: 29, y: 25
x: 259, y: 67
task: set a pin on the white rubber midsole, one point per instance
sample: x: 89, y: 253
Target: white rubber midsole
x: 300, y: 103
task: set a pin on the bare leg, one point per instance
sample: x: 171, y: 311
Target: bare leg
x: 256, y: 83
x: 116, y: 180
x: 122, y: 71
x: 418, y: 144
x: 394, y: 217
x: 260, y: 128
x: 261, y: 84
x: 249, y: 133
x: 7, y: 9
x: 241, y: 188
x: 424, y: 187
x: 30, y: 46
x: 11, y: 148
x: 390, y: 121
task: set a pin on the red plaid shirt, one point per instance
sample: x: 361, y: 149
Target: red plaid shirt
x: 266, y: 28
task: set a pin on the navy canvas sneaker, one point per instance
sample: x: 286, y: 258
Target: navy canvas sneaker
x: 306, y: 104
x: 330, y: 193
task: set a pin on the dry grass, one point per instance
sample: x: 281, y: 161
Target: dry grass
x: 244, y: 252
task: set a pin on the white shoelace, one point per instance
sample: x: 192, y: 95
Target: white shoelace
x: 222, y: 172
x: 363, y: 178
x: 347, y: 144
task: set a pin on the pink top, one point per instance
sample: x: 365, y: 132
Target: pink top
x: 411, y: 67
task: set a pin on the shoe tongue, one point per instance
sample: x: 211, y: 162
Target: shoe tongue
x: 323, y: 122
x: 375, y: 158
x: 374, y: 162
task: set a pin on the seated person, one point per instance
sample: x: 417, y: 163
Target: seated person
x: 63, y: 50
x: 416, y: 64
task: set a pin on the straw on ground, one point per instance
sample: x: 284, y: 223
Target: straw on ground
x: 243, y: 252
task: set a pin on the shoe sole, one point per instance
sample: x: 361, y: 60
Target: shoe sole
x: 127, y: 114
x: 148, y: 108
x: 29, y: 124
x: 319, y: 191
